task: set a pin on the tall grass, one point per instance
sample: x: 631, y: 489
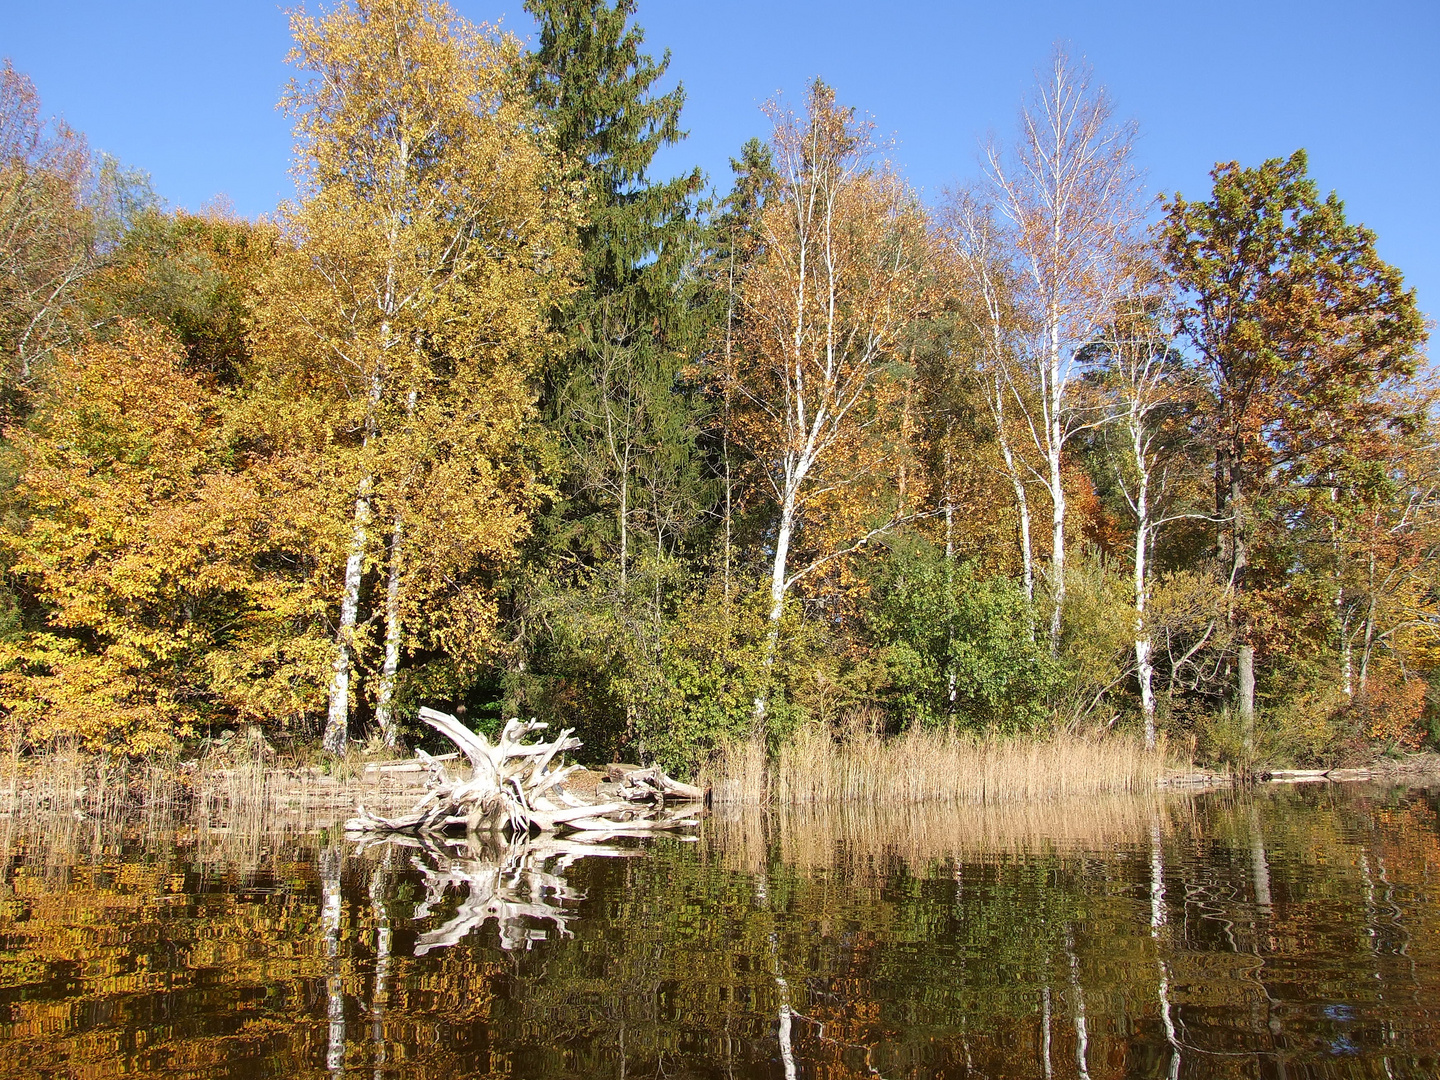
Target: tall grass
x: 924, y: 766
x: 64, y: 780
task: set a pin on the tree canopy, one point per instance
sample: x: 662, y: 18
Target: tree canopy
x: 496, y: 416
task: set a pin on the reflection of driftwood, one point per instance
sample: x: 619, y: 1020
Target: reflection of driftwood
x: 517, y: 884
x: 515, y: 786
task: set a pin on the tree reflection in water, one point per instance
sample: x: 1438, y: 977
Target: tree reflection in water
x: 1218, y: 938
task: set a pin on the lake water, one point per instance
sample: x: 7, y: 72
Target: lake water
x: 1293, y: 932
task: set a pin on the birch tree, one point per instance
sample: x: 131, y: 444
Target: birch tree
x: 45, y: 230
x: 978, y: 250
x: 62, y: 209
x: 823, y: 310
x: 1149, y: 393
x: 1069, y: 194
x: 429, y: 243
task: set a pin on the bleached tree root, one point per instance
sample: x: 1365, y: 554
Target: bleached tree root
x: 516, y: 787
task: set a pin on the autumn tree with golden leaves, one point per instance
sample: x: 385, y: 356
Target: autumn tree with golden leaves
x: 431, y: 241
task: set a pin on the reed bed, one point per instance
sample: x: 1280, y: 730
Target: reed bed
x: 934, y: 766
x: 96, y: 786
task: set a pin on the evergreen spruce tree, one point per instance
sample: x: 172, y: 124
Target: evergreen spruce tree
x: 631, y: 487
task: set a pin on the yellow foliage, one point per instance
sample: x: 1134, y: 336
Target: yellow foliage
x: 124, y: 543
x: 400, y: 329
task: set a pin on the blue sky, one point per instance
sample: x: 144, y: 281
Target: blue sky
x: 187, y: 91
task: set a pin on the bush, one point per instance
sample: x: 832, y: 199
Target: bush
x: 1316, y: 725
x: 673, y: 688
x: 958, y: 650
x: 1097, y: 641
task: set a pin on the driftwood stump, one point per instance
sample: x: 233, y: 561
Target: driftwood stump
x: 517, y: 787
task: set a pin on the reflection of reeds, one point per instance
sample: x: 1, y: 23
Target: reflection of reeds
x: 861, y: 836
x: 934, y: 766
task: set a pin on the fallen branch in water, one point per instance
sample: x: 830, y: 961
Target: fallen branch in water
x: 515, y: 786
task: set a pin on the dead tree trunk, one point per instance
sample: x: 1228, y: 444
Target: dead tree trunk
x: 517, y: 787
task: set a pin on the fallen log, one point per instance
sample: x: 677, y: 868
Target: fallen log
x: 635, y: 784
x: 516, y: 787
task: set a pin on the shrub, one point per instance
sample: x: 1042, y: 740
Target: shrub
x: 958, y: 650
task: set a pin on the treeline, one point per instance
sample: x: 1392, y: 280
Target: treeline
x: 490, y: 417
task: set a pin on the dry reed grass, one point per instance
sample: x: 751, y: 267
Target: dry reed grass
x: 934, y: 766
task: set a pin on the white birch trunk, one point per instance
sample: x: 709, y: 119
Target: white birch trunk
x: 385, y: 695
x: 949, y: 513
x: 778, y: 583
x: 1347, y: 660
x: 1057, y: 557
x: 1017, y: 482
x: 1055, y: 441
x: 337, y: 723
x: 624, y: 524
x: 1369, y: 627
x: 1144, y: 665
x: 390, y: 665
x: 1027, y: 548
x: 950, y: 679
x: 1145, y: 673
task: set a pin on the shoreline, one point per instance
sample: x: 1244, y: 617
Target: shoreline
x: 97, y: 789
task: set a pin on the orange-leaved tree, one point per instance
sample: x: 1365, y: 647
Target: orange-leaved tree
x: 833, y: 286
x: 126, y: 542
x: 1301, y: 329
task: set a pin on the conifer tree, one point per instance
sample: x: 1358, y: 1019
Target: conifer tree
x: 625, y: 423
x: 613, y: 395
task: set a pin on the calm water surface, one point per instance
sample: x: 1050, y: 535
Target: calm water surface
x: 1292, y: 933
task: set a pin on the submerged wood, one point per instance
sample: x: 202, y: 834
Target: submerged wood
x: 516, y: 787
